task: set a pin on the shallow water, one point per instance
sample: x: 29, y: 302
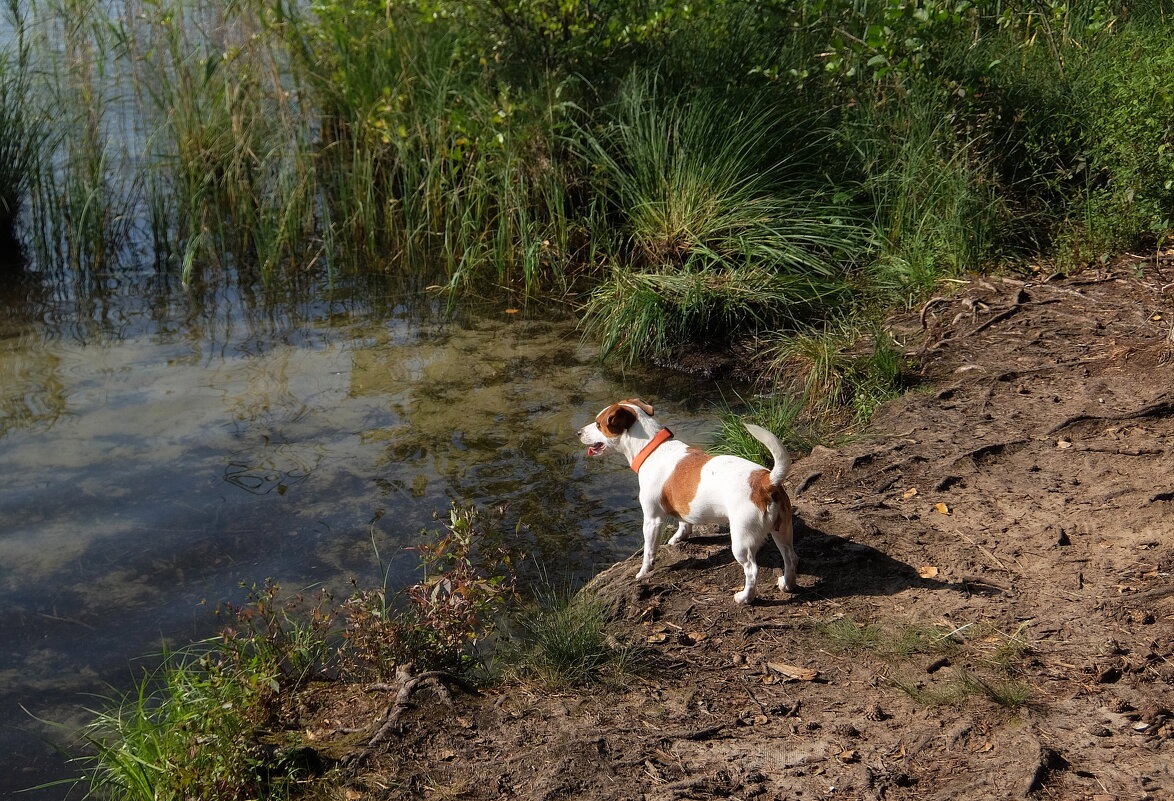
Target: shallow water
x: 160, y: 447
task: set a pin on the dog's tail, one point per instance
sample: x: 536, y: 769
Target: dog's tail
x: 782, y: 460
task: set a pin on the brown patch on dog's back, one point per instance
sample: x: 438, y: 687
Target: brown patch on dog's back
x: 615, y: 420
x: 681, y: 488
x: 763, y: 493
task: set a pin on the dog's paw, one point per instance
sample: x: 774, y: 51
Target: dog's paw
x: 676, y: 539
x: 743, y: 597
x: 785, y: 587
x: 642, y: 573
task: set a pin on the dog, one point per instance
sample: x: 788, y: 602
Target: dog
x: 682, y: 482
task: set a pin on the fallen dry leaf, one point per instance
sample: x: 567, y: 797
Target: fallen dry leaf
x: 658, y: 638
x: 792, y: 672
x: 927, y: 571
x: 1064, y: 443
x: 941, y: 508
x: 909, y: 493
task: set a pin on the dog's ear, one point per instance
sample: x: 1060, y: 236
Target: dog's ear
x: 640, y: 405
x: 616, y: 420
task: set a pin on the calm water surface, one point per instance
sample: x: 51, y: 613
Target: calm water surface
x: 160, y: 446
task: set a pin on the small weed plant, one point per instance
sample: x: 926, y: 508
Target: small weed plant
x: 470, y: 580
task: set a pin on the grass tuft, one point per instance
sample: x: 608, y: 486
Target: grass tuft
x: 186, y: 731
x: 563, y: 642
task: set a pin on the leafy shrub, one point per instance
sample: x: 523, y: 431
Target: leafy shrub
x: 469, y: 581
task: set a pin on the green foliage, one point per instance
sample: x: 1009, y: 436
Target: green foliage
x: 715, y: 236
x: 782, y: 414
x: 696, y: 172
x: 289, y: 639
x: 934, y: 201
x: 839, y: 371
x: 186, y: 732
x: 563, y: 642
x: 1129, y: 136
x: 470, y: 579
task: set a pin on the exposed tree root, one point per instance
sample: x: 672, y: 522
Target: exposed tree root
x: 1160, y: 409
x: 408, y: 684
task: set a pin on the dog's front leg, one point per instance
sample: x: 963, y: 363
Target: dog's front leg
x: 652, y: 528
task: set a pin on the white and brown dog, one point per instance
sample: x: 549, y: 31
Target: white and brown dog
x: 678, y: 481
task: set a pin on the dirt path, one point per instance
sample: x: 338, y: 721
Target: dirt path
x: 1005, y: 532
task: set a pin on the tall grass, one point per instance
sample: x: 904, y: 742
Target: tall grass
x: 515, y: 145
x: 80, y: 212
x: 20, y: 133
x: 427, y: 157
x: 784, y: 169
x: 230, y: 163
x: 562, y: 642
x: 933, y: 200
x: 186, y: 731
x: 713, y: 236
x: 826, y: 382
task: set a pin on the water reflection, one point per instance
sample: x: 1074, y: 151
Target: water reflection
x: 160, y: 445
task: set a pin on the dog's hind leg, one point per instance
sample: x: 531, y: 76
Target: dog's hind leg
x: 684, y: 531
x: 746, y: 554
x: 784, y: 537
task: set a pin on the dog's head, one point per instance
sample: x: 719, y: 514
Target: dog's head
x: 611, y: 424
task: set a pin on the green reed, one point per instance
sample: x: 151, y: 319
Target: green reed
x: 20, y: 132
x: 456, y: 166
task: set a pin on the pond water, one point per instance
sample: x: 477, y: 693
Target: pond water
x: 161, y: 446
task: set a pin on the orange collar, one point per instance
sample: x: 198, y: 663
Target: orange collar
x: 661, y: 437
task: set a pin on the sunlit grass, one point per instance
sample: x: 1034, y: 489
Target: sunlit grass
x: 562, y: 641
x: 715, y: 238
x: 973, y: 661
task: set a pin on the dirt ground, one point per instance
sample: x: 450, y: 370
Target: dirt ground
x: 986, y: 605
